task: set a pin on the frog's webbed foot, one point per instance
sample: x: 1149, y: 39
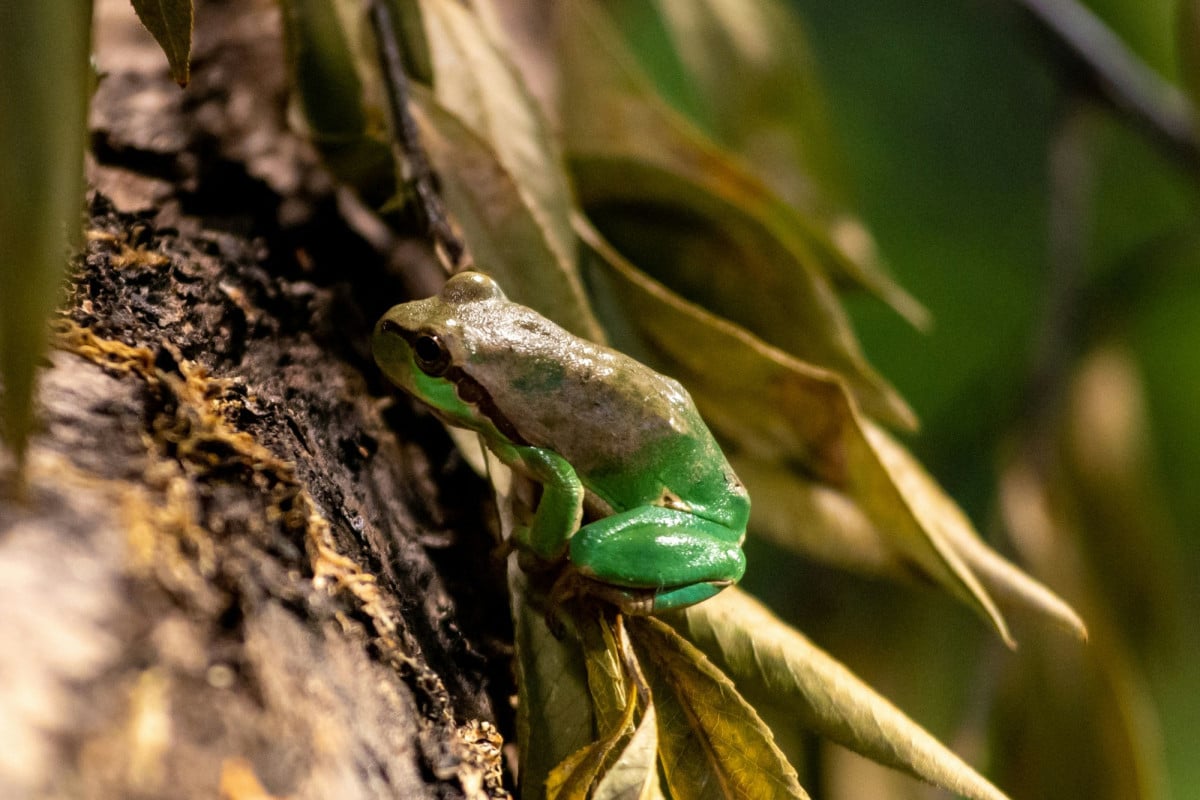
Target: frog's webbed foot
x: 571, y: 584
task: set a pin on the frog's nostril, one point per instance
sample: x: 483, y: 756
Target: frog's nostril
x: 387, y: 326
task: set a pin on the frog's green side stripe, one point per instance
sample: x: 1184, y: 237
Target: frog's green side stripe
x: 467, y: 390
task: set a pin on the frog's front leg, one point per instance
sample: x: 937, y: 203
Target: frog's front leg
x: 560, y: 509
x: 678, y: 557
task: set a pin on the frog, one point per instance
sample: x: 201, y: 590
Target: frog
x: 638, y: 501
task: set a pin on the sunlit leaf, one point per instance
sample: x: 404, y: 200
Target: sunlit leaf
x: 951, y: 532
x: 757, y: 648
x: 634, y: 775
x: 606, y: 674
x: 712, y: 744
x: 44, y: 46
x: 554, y: 717
x: 170, y: 22
x: 692, y: 217
x: 504, y: 233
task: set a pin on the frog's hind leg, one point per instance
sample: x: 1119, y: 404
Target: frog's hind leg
x: 676, y: 557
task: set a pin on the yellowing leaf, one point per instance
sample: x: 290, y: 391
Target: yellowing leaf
x: 757, y: 648
x: 474, y: 81
x: 554, y: 717
x: 607, y: 680
x: 712, y: 744
x: 170, y: 22
x: 574, y: 777
x: 695, y: 219
x: 634, y: 776
x: 503, y: 231
x: 951, y: 532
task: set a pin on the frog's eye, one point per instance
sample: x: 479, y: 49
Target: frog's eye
x: 431, y: 355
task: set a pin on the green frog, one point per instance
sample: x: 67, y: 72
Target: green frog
x: 594, y: 427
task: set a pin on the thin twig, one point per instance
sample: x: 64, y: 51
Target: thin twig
x: 1093, y: 53
x: 448, y: 243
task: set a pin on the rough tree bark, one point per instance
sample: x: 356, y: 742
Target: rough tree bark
x: 236, y: 568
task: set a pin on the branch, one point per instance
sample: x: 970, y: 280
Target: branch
x: 449, y: 245
x: 1096, y: 56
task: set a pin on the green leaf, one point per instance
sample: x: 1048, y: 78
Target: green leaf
x: 505, y: 235
x: 711, y: 742
x: 757, y: 648
x: 755, y: 79
x: 44, y: 85
x: 335, y: 87
x: 634, y: 776
x: 695, y: 219
x: 554, y: 718
x: 170, y: 22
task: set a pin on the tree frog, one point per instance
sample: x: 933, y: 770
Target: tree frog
x: 595, y: 428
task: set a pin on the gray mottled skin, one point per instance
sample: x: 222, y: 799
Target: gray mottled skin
x: 633, y: 436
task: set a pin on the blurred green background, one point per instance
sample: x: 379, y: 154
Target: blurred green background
x: 1058, y: 250
x: 947, y: 113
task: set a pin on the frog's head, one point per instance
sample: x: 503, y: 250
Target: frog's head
x: 420, y: 345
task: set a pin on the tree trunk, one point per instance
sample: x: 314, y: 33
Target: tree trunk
x: 234, y: 570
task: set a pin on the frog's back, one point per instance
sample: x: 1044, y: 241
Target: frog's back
x: 634, y: 436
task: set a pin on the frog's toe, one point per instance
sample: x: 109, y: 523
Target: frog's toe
x: 685, y: 596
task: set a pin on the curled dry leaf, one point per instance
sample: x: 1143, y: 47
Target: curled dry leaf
x: 758, y: 649
x: 711, y: 742
x: 691, y: 216
x: 797, y: 424
x: 606, y: 676
x: 634, y: 775
x: 574, y: 778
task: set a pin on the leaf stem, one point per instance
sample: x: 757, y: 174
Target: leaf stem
x: 449, y: 245
x: 1096, y: 57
